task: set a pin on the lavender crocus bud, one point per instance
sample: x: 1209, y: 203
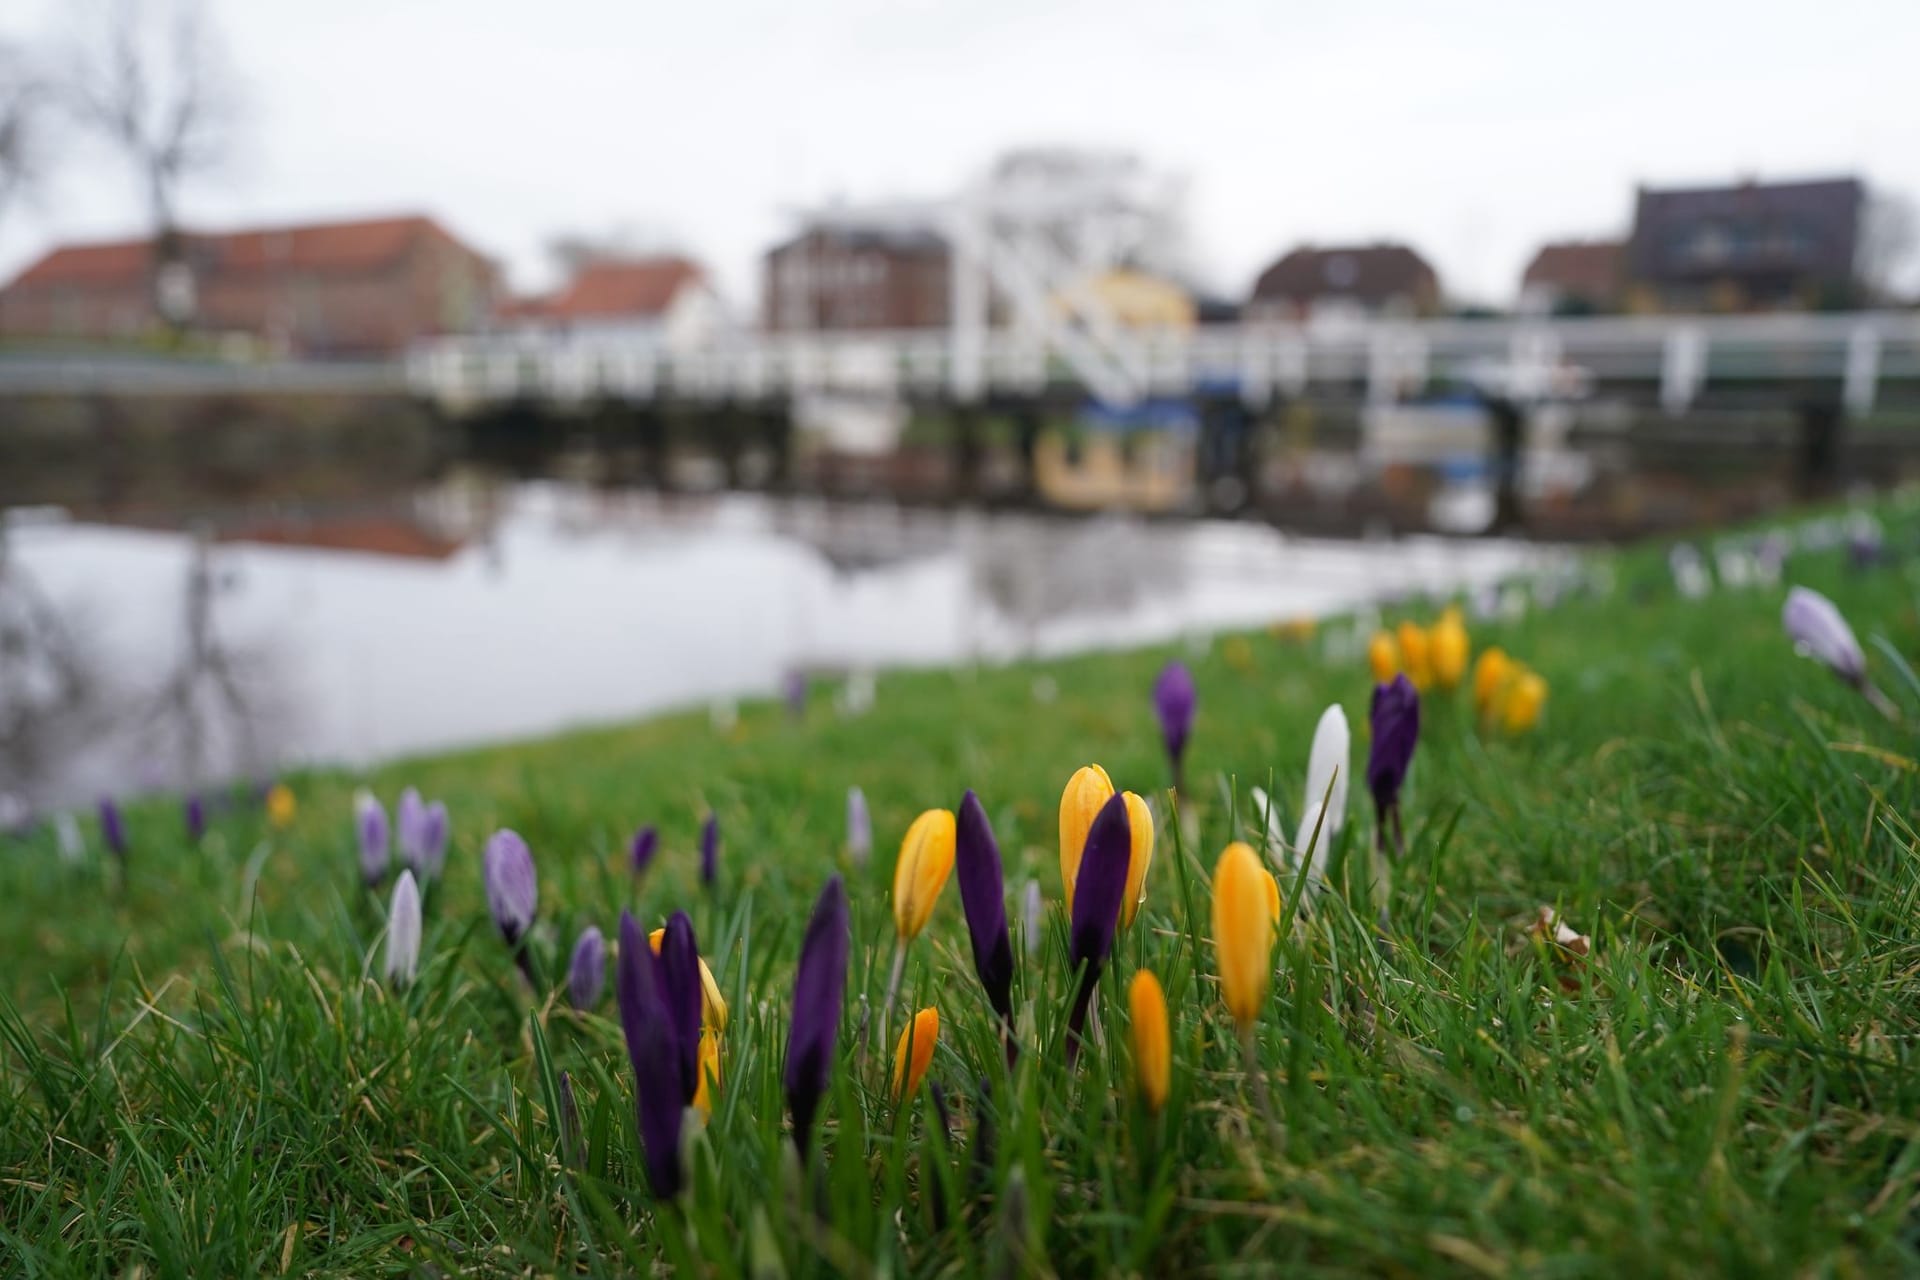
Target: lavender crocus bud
x: 587, y: 969
x: 976, y: 864
x: 435, y: 830
x: 654, y: 1052
x: 819, y: 992
x: 682, y: 989
x: 1174, y: 699
x: 370, y: 826
x: 710, y: 850
x: 646, y: 843
x: 1097, y: 894
x: 1395, y: 720
x: 1818, y: 630
x: 512, y: 889
x: 409, y: 823
x: 403, y: 932
x: 196, y: 814
x: 112, y: 829
x: 859, y: 827
x: 1033, y: 914
x: 794, y: 689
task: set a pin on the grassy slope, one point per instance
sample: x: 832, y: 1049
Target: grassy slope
x: 221, y: 1091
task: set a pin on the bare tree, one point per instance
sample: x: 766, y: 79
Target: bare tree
x: 1888, y: 237
x: 572, y: 250
x: 149, y: 78
x: 24, y: 98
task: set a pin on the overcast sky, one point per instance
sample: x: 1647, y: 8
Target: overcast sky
x: 1471, y: 130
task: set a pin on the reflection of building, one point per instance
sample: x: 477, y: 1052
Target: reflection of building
x: 845, y: 275
x: 1363, y: 280
x: 343, y: 288
x: 1751, y: 247
x: 665, y: 299
x: 1573, y: 277
x: 1139, y: 459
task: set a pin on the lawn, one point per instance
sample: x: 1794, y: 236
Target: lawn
x: 204, y: 1073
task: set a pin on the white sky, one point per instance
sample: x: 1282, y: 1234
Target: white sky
x: 1472, y: 130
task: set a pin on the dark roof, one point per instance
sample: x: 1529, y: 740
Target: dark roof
x: 1587, y: 268
x: 331, y: 246
x: 1781, y: 228
x: 1373, y: 274
x: 901, y: 238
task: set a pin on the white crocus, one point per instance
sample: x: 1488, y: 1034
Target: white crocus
x: 403, y: 932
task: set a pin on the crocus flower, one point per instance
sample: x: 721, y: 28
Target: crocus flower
x: 403, y: 932
x: 1447, y: 649
x: 646, y: 843
x: 796, y: 694
x: 1152, y: 1042
x: 679, y: 970
x: 1383, y: 656
x: 709, y: 1071
x: 1101, y: 885
x: 112, y: 829
x: 654, y: 1051
x: 1395, y: 720
x: 1522, y: 702
x: 983, y: 897
x: 1087, y: 793
x: 713, y: 1007
x: 1818, y: 630
x: 919, y: 874
x: 1139, y: 856
x: 710, y: 850
x: 409, y: 829
x: 513, y: 891
x: 1242, y: 933
x: 1490, y: 675
x: 819, y: 990
x: 67, y: 837
x: 370, y: 825
x: 435, y: 830
x: 281, y: 806
x: 1327, y: 773
x: 1174, y: 698
x: 1273, y: 894
x: 914, y: 1054
x: 196, y: 818
x: 587, y: 969
x: 1415, y: 654
x: 859, y: 827
x: 1033, y: 909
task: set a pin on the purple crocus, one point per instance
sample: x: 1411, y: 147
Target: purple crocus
x: 680, y: 985
x: 710, y: 850
x: 795, y: 691
x: 976, y: 863
x: 1819, y: 630
x: 513, y: 891
x: 370, y: 826
x: 435, y: 830
x: 409, y: 822
x: 819, y: 990
x: 1097, y: 892
x: 196, y: 818
x: 1395, y: 720
x: 653, y: 1048
x: 646, y: 843
x: 112, y: 829
x: 1174, y: 699
x: 587, y: 969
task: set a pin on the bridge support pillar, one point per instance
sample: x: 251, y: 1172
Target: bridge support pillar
x: 1228, y: 462
x: 653, y: 433
x: 966, y: 449
x: 1507, y: 432
x: 774, y: 419
x: 1823, y: 446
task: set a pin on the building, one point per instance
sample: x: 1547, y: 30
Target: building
x: 1140, y: 301
x: 1350, y: 282
x: 666, y: 299
x: 1750, y: 247
x: 841, y: 276
x: 368, y: 288
x: 1573, y: 277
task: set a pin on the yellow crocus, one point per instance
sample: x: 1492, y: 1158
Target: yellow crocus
x: 1383, y: 657
x: 709, y: 1082
x: 926, y: 860
x: 1447, y: 648
x: 914, y: 1054
x: 1273, y: 895
x: 1140, y: 827
x: 1525, y: 697
x: 1152, y: 1043
x: 281, y: 806
x: 1088, y: 790
x: 1415, y: 656
x: 1242, y: 932
x: 713, y: 1006
x: 1489, y: 677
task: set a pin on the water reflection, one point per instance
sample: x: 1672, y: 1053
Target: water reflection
x: 473, y: 612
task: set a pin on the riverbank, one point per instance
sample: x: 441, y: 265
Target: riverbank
x: 1726, y: 1084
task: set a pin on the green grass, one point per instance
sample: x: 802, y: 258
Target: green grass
x: 202, y: 1075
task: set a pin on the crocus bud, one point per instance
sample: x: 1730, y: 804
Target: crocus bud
x: 926, y: 860
x: 1033, y: 914
x: 67, y: 838
x: 1521, y: 704
x: 196, y: 814
x: 587, y: 969
x: 1447, y: 649
x: 435, y: 830
x: 1152, y: 1042
x: 859, y: 827
x: 281, y: 806
x: 370, y: 825
x: 512, y: 889
x: 1327, y: 774
x: 1174, y: 699
x: 1273, y: 894
x: 819, y: 990
x: 403, y: 932
x: 1395, y: 720
x: 1489, y: 677
x: 654, y: 1052
x: 709, y: 1071
x: 1098, y: 891
x: 713, y: 1009
x: 1383, y: 657
x: 646, y: 843
x: 914, y: 1054
x: 680, y: 977
x: 1415, y: 654
x: 112, y: 829
x: 1818, y: 630
x: 409, y: 830
x: 796, y: 694
x: 1139, y: 855
x: 710, y: 850
x: 1242, y: 932
x: 983, y: 898
x: 1088, y: 790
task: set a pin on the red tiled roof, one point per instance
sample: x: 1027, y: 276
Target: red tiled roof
x: 332, y: 246
x: 1588, y: 267
x: 615, y: 287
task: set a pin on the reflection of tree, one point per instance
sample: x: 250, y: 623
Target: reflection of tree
x: 51, y: 693
x: 1035, y: 572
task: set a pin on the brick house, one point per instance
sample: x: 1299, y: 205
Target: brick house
x: 1749, y: 247
x: 666, y: 299
x: 366, y: 288
x: 1351, y: 281
x: 1573, y: 277
x: 838, y: 276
